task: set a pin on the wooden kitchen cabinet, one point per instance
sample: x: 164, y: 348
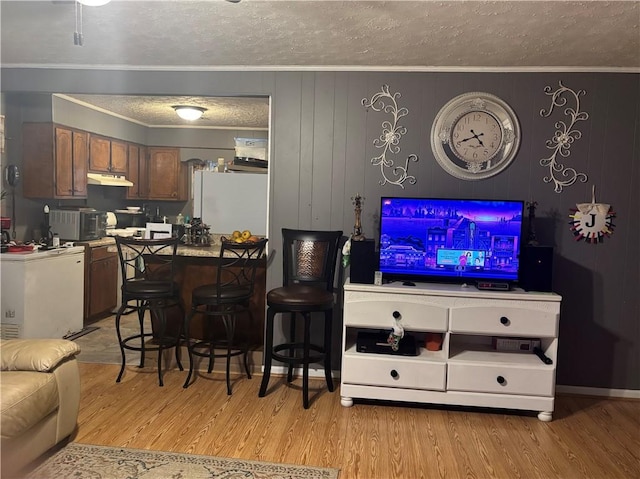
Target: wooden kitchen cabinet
x: 101, y: 282
x: 54, y: 161
x: 107, y: 156
x: 119, y: 155
x: 167, y: 175
x: 137, y: 172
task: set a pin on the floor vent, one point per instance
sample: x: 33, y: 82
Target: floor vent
x: 9, y: 331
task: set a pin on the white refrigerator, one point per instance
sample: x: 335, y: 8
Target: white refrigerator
x: 231, y: 201
x: 42, y: 293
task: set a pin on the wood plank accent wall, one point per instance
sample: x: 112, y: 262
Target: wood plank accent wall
x: 322, y: 144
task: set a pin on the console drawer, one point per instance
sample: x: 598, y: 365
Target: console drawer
x: 506, y: 379
x: 393, y: 371
x: 503, y: 321
x: 414, y: 316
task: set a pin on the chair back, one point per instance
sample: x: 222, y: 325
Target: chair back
x: 147, y: 260
x: 236, y: 272
x: 309, y: 257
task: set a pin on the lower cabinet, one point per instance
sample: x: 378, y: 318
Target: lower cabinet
x: 101, y: 282
x: 467, y: 368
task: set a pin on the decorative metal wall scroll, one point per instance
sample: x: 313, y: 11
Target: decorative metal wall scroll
x: 563, y: 138
x: 390, y: 138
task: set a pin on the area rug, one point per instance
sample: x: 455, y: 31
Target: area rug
x: 85, y: 461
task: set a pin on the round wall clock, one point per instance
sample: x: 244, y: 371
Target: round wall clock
x: 475, y: 135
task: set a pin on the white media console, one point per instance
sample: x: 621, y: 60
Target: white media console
x: 467, y: 370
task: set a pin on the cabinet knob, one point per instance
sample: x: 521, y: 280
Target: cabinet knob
x: 504, y: 320
x: 394, y: 374
x: 396, y: 314
x: 501, y: 380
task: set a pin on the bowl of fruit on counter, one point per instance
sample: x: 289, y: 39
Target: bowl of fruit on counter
x: 244, y: 236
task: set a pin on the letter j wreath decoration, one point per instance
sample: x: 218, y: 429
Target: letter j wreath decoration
x: 591, y: 222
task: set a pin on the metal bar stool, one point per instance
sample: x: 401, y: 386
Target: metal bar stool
x: 229, y: 296
x: 309, y: 259
x: 148, y: 273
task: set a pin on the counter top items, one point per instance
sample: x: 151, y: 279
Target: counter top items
x: 196, y: 233
x: 78, y: 223
x: 5, y: 223
x: 309, y: 266
x: 158, y: 231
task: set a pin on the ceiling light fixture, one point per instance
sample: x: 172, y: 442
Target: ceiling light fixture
x: 189, y: 113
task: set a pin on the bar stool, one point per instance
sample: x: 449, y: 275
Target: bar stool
x: 309, y: 259
x: 148, y: 274
x: 225, y: 299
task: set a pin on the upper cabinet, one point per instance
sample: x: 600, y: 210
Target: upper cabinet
x: 54, y: 161
x: 107, y: 156
x: 57, y: 159
x: 137, y: 172
x: 167, y: 175
x: 118, y: 157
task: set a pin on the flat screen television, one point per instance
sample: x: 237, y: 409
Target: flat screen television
x: 450, y: 240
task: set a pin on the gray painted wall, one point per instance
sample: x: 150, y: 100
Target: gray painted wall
x: 321, y: 146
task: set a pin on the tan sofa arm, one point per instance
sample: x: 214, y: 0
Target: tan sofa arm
x: 35, y: 354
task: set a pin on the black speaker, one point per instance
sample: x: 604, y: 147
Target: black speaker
x: 536, y: 268
x: 364, y: 261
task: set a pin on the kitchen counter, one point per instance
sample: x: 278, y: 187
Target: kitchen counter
x: 211, y: 251
x: 106, y: 241
x: 196, y: 266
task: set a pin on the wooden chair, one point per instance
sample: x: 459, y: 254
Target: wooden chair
x: 309, y: 260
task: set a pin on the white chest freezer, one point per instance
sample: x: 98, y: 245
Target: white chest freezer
x: 42, y: 293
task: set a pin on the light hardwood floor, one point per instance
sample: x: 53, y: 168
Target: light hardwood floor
x: 588, y: 438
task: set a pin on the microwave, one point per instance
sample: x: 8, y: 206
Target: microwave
x: 78, y: 224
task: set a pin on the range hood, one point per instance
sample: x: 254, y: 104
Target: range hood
x: 107, y: 180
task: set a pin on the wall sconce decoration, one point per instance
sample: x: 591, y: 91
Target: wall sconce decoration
x: 591, y: 222
x: 390, y: 137
x: 189, y: 113
x: 563, y: 138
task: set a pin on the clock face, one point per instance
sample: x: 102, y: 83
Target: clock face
x: 476, y: 137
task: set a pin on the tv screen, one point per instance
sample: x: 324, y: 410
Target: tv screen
x: 450, y: 240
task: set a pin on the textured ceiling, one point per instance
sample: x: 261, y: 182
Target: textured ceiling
x: 157, y: 111
x: 333, y: 35
x: 263, y: 33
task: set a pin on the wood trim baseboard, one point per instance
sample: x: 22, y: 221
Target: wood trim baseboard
x: 603, y: 392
